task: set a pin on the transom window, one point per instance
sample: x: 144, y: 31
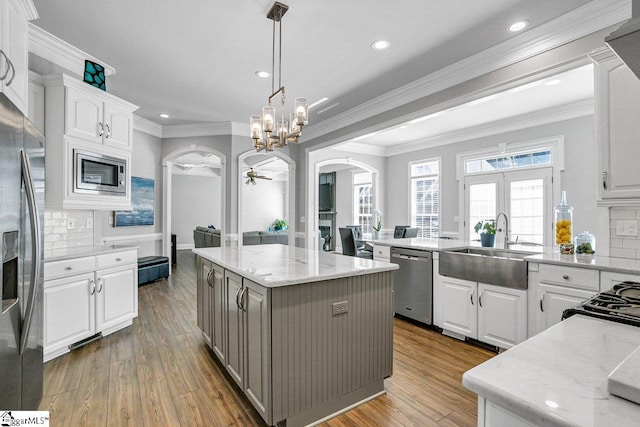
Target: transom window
x: 425, y: 197
x: 511, y: 161
x: 363, y: 201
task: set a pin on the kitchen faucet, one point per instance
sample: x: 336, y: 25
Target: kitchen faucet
x: 506, y: 231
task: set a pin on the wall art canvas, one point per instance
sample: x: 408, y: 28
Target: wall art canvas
x: 142, y: 203
x: 94, y: 74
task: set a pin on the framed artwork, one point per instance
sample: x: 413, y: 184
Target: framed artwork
x: 94, y: 74
x: 142, y: 203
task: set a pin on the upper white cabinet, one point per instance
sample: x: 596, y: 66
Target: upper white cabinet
x: 617, y: 91
x: 14, y: 32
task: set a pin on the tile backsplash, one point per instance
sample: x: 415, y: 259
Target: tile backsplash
x: 624, y: 246
x: 63, y: 229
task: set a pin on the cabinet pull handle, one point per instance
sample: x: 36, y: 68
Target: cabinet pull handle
x: 92, y: 284
x: 100, y: 128
x: 108, y: 131
x: 118, y: 259
x: 565, y: 276
x: 604, y: 180
x: 242, y: 306
x: 68, y: 268
x: 480, y: 299
x: 100, y: 282
x: 541, y: 300
x: 237, y: 303
x: 209, y: 275
x: 13, y: 72
x: 4, y: 76
x: 472, y: 297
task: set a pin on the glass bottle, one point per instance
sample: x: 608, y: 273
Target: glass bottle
x: 585, y: 243
x: 564, y: 221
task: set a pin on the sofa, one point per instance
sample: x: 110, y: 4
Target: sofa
x: 204, y: 237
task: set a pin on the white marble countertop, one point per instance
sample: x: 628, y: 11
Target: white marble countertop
x: 448, y: 245
x: 559, y: 377
x: 80, y: 251
x: 604, y: 263
x: 282, y: 265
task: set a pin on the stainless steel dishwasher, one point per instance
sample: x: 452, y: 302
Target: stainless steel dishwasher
x: 413, y: 290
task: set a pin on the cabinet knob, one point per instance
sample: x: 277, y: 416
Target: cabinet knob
x: 68, y: 268
x: 565, y: 276
x: 118, y: 259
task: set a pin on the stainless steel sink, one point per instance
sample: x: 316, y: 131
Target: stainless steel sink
x: 493, y: 266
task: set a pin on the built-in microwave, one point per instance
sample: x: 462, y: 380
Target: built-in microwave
x: 99, y: 174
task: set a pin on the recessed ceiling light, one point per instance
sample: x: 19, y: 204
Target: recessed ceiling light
x: 164, y: 115
x: 553, y: 82
x: 518, y: 26
x: 262, y: 74
x: 381, y: 44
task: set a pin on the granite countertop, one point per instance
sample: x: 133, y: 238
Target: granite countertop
x: 559, y: 377
x: 282, y: 265
x: 80, y: 251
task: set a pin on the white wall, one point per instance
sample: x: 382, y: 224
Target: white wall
x: 262, y: 204
x: 578, y: 179
x: 195, y: 200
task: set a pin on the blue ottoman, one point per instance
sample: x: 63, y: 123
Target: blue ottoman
x: 152, y: 268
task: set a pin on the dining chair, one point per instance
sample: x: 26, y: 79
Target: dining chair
x: 398, y: 232
x: 347, y: 236
x: 410, y: 232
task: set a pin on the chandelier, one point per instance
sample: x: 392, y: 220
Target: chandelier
x: 266, y: 131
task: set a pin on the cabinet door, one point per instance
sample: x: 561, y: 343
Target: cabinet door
x: 83, y: 116
x: 217, y: 301
x: 118, y: 126
x: 608, y: 279
x: 69, y: 306
x: 14, y: 44
x: 551, y: 301
x: 234, y: 323
x: 502, y: 315
x: 257, y: 339
x: 117, y: 297
x: 459, y: 301
x: 205, y: 271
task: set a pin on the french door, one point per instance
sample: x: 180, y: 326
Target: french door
x: 525, y: 196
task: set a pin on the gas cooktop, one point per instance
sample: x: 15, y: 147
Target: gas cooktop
x: 619, y: 304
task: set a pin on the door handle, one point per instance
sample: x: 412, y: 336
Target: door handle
x: 100, y: 128
x: 480, y: 299
x: 472, y: 297
x: 541, y: 300
x: 92, y: 285
x: 100, y: 283
x: 36, y: 258
x: 108, y: 131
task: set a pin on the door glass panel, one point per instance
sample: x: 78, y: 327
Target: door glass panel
x: 527, y: 210
x: 482, y: 205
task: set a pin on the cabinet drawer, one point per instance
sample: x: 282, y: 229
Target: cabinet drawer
x: 69, y: 267
x: 116, y: 259
x: 382, y: 253
x: 582, y: 278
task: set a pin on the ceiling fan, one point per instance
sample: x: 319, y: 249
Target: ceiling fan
x: 253, y: 175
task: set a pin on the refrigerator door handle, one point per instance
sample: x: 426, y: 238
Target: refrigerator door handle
x: 35, y: 249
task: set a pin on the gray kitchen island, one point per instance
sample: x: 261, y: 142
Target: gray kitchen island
x: 304, y: 334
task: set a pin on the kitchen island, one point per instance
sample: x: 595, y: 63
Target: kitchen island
x: 304, y: 334
x: 557, y: 378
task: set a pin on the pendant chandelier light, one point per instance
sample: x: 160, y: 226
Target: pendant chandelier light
x: 266, y: 131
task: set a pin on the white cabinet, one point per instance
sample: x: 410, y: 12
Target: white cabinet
x: 381, y: 253
x: 14, y: 33
x: 80, y: 117
x: 492, y: 314
x: 617, y: 91
x: 88, y: 295
x: 555, y: 288
x: 234, y: 321
x: 211, y: 303
x: 608, y: 279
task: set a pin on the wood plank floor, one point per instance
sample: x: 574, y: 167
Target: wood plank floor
x: 159, y: 372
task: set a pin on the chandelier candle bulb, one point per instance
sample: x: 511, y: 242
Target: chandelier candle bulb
x: 268, y: 113
x: 256, y: 127
x: 301, y: 107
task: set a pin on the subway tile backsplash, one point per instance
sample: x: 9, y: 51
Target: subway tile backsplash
x: 623, y: 246
x: 64, y: 229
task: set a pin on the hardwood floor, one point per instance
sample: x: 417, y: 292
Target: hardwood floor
x: 159, y: 372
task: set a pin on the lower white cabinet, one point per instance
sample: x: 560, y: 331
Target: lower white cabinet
x: 82, y: 303
x: 492, y: 314
x: 382, y: 253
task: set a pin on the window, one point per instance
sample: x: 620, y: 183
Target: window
x: 363, y: 202
x: 425, y: 197
x: 511, y: 161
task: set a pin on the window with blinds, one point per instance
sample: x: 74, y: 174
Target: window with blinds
x: 363, y: 202
x: 425, y: 197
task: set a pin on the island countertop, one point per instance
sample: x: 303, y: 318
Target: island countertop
x: 281, y: 265
x: 559, y: 377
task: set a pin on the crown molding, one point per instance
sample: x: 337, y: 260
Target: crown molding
x: 196, y: 129
x: 29, y: 9
x: 147, y: 126
x: 587, y: 19
x: 61, y: 53
x: 36, y: 78
x: 523, y: 121
x: 62, y: 79
x: 361, y: 148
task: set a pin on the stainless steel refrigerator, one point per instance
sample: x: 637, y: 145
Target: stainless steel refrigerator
x: 21, y: 271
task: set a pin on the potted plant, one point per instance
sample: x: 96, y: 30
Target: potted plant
x: 378, y: 223
x: 280, y: 224
x: 487, y: 230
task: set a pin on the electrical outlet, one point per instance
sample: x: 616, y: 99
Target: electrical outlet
x: 70, y: 224
x: 627, y: 228
x: 89, y: 223
x: 340, y: 307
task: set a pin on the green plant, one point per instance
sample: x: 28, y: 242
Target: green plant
x: 280, y: 223
x: 487, y: 226
x: 378, y: 218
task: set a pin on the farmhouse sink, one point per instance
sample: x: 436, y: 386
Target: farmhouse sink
x: 493, y: 266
